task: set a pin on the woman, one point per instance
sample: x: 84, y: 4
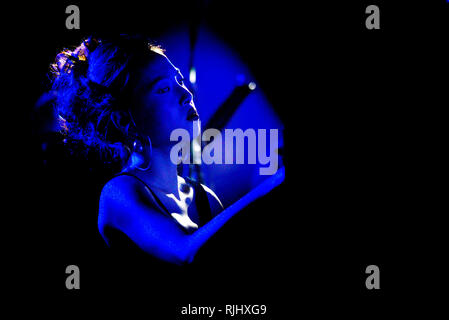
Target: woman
x: 124, y: 97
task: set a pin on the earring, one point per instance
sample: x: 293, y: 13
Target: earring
x: 144, y: 152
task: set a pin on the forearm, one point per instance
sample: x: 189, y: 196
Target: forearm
x: 197, y: 239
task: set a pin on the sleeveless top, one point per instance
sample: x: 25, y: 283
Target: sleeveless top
x: 120, y: 242
x: 200, y: 198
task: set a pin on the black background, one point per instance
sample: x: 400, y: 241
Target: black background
x: 363, y: 116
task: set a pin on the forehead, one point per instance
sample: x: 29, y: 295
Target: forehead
x: 158, y: 65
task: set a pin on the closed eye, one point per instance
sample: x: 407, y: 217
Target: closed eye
x: 162, y: 90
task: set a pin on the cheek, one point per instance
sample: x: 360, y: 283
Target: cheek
x: 159, y: 115
x: 155, y: 118
x: 148, y: 108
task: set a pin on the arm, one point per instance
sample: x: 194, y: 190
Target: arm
x: 203, y: 234
x: 125, y: 206
x: 158, y: 234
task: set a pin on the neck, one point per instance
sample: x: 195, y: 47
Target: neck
x: 162, y: 173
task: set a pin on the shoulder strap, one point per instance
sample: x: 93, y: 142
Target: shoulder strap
x: 153, y: 195
x: 201, y: 198
x: 202, y: 202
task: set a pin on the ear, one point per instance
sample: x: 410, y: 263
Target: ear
x: 120, y: 151
x: 121, y: 121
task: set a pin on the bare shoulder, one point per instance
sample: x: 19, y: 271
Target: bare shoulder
x: 119, y: 196
x: 214, y: 201
x: 120, y: 188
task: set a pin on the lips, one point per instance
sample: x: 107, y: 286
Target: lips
x: 192, y: 115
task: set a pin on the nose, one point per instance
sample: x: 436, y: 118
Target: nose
x: 186, y: 97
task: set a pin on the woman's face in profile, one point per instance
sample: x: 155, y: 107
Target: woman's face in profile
x: 162, y: 101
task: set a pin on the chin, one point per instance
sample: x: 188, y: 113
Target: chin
x: 192, y: 127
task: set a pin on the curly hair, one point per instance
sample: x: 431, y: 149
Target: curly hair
x: 93, y: 86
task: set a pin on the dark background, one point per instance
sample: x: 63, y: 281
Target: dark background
x: 362, y: 112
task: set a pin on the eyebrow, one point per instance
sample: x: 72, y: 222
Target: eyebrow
x: 155, y: 81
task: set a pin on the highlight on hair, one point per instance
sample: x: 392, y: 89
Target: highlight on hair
x: 93, y: 85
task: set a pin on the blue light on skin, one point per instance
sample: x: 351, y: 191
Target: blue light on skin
x: 124, y: 201
x: 155, y: 233
x: 161, y: 104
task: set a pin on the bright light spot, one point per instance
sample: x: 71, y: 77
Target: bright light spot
x: 196, y: 151
x: 192, y: 75
x: 196, y: 146
x: 252, y: 85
